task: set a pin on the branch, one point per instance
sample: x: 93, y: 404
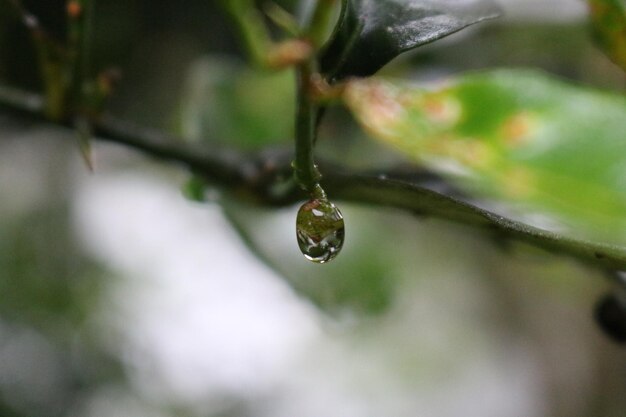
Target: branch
x: 265, y: 178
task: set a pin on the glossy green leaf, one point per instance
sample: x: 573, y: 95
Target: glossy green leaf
x: 608, y: 22
x: 521, y: 137
x: 370, y: 33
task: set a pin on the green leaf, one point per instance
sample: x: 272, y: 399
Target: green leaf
x: 371, y: 33
x: 521, y: 137
x: 608, y: 22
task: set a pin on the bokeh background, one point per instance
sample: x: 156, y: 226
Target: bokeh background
x: 121, y: 298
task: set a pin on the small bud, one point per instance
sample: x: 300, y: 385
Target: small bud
x: 74, y: 9
x: 321, y: 91
x: 289, y: 53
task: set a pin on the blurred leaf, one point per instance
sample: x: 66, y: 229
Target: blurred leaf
x: 229, y: 102
x: 608, y: 22
x: 519, y: 136
x: 370, y: 33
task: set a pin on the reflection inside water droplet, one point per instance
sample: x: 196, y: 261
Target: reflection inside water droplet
x: 320, y: 230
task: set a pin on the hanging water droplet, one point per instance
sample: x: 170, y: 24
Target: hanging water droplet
x: 320, y: 230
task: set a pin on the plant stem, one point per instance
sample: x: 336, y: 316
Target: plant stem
x: 282, y: 18
x: 320, y: 21
x: 244, y: 175
x: 51, y: 57
x: 80, y: 14
x: 305, y: 170
x: 306, y: 173
x: 80, y: 18
x: 252, y: 30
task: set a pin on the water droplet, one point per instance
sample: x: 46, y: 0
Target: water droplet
x: 320, y: 230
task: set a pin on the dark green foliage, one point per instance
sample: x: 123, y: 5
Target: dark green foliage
x: 370, y: 33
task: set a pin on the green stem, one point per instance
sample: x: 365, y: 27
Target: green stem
x: 282, y: 18
x: 320, y: 21
x: 79, y: 40
x: 252, y: 29
x: 80, y: 14
x: 306, y: 173
x: 50, y: 55
x: 53, y: 75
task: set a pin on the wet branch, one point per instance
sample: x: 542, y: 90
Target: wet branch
x: 265, y: 178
